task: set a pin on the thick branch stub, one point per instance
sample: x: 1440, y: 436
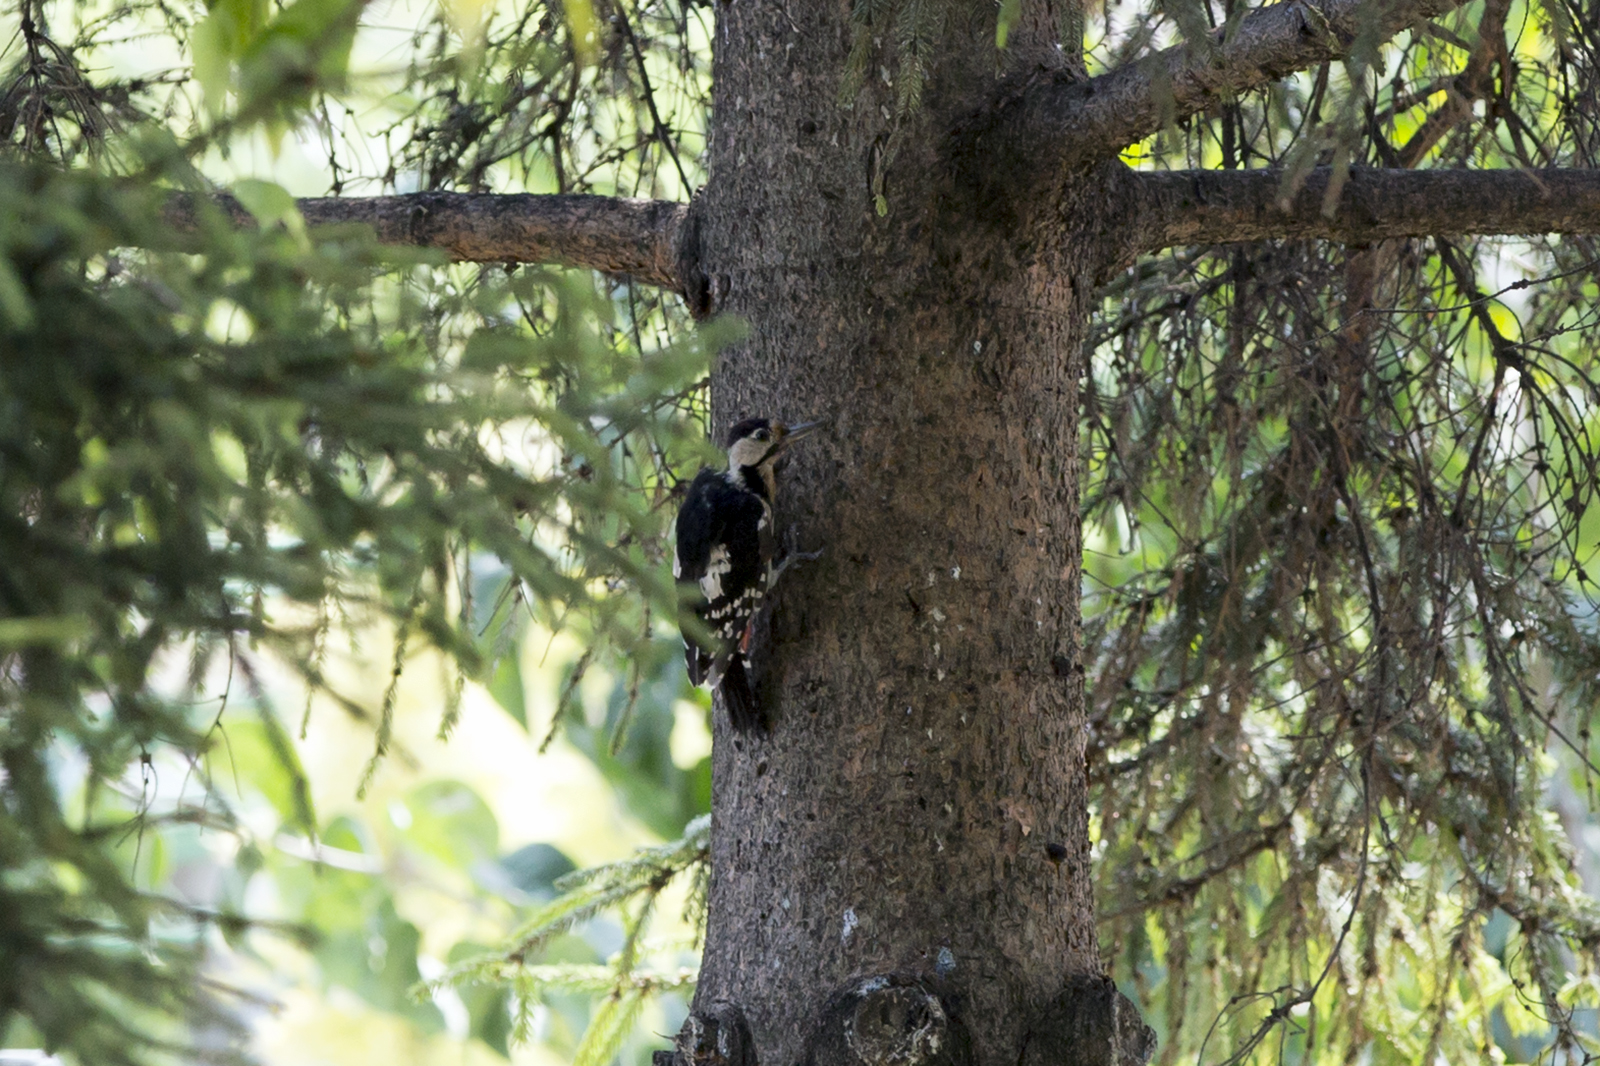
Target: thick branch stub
x: 715, y: 1035
x: 1225, y: 206
x: 636, y: 238
x: 1099, y: 117
x: 1089, y: 1024
x: 891, y: 1020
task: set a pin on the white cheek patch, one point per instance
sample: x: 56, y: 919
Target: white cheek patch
x: 716, y: 569
x: 677, y: 565
x: 747, y: 452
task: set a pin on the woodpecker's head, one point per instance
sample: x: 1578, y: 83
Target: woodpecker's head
x: 754, y: 448
x: 761, y: 442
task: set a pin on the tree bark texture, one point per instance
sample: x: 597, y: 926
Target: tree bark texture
x: 647, y: 239
x: 900, y: 868
x: 638, y: 238
x: 1221, y: 206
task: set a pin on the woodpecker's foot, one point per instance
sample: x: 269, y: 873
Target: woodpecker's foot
x: 792, y: 553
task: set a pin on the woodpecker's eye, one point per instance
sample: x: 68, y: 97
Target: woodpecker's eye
x: 762, y: 435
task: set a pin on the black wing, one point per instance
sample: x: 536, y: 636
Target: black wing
x: 719, y: 521
x: 699, y: 526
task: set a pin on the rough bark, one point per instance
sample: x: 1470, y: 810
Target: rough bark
x: 638, y: 238
x: 645, y: 239
x: 905, y: 855
x: 1220, y: 206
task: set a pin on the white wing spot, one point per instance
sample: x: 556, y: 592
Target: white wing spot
x: 718, y: 565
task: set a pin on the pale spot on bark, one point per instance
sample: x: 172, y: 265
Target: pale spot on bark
x: 1017, y: 811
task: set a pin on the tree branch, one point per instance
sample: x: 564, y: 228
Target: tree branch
x: 1225, y: 206
x: 1098, y: 117
x: 638, y: 238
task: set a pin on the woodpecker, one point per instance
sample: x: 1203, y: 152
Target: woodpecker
x: 726, y: 550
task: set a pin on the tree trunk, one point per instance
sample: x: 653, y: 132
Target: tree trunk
x: 901, y: 867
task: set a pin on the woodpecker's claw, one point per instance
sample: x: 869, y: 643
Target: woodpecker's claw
x: 792, y: 553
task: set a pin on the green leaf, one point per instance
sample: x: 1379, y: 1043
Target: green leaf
x: 506, y: 687
x: 32, y: 632
x: 14, y: 302
x: 535, y: 869
x: 1010, y: 11
x: 263, y: 757
x: 306, y: 47
x: 451, y: 823
x: 583, y: 30
x: 268, y: 201
x: 210, y: 47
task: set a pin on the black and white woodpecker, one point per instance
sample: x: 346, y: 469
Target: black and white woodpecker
x: 727, y: 551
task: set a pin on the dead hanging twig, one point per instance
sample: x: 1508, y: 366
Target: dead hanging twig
x: 1345, y: 546
x: 662, y: 135
x: 579, y: 669
x: 48, y: 87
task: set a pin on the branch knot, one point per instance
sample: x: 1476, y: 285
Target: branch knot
x: 889, y: 1020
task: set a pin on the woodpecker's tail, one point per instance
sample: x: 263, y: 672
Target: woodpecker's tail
x: 698, y: 662
x: 738, y: 697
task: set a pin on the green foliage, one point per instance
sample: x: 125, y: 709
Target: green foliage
x: 269, y: 60
x: 219, y: 457
x: 633, y: 887
x: 1342, y: 525
x: 220, y: 453
x: 558, y: 97
x: 439, y: 843
x: 634, y: 750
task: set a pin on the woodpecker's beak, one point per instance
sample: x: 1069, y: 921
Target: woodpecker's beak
x: 804, y: 429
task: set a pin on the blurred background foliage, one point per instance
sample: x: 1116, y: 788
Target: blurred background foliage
x: 1340, y: 597
x: 334, y: 618
x: 339, y: 685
